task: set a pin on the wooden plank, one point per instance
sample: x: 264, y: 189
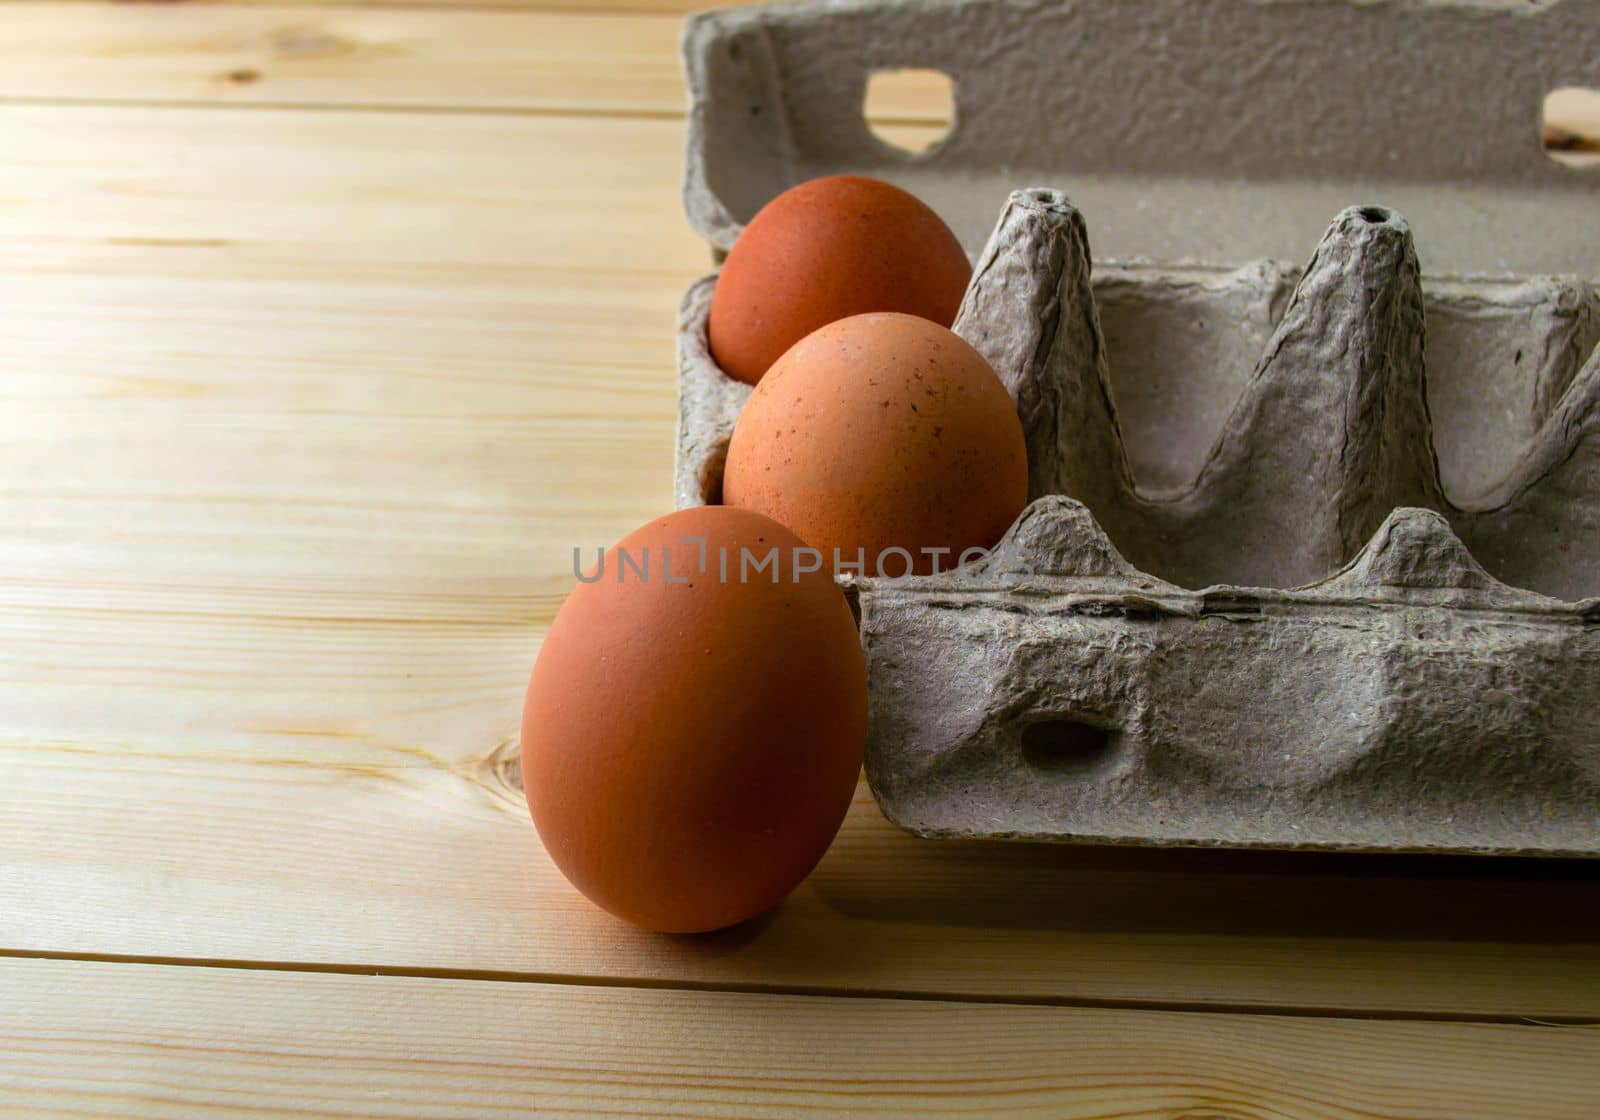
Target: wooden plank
x: 603, y: 62
x: 427, y: 863
x: 240, y: 346
x: 300, y: 417
x: 375, y: 199
x: 372, y: 57
x: 90, y: 1039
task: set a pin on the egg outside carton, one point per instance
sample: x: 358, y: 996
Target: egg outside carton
x: 1347, y: 675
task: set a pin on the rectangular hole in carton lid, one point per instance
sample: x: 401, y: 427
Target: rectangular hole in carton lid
x: 909, y: 110
x: 1570, y: 129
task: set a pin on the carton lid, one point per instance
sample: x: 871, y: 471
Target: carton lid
x: 1217, y: 131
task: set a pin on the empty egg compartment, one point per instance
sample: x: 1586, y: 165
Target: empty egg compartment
x: 1332, y: 427
x: 1294, y: 648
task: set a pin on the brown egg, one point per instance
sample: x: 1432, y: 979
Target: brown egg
x: 882, y: 431
x: 689, y: 748
x: 825, y: 250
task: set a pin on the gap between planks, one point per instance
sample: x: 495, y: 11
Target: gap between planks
x: 652, y: 984
x: 555, y: 7
x: 906, y: 130
x: 401, y: 108
x: 96, y: 1038
x: 619, y: 7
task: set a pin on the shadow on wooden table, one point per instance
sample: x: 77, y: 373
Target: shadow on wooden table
x: 876, y: 872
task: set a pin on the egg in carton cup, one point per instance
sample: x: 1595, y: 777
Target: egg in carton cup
x: 1313, y: 553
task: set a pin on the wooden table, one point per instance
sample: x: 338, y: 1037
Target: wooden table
x: 325, y: 333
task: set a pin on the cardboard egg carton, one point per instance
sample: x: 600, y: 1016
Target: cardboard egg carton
x: 1313, y: 555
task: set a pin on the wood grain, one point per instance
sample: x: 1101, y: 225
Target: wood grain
x: 426, y: 865
x: 602, y: 62
x: 376, y: 58
x: 349, y: 196
x: 114, y: 1040
x: 301, y: 424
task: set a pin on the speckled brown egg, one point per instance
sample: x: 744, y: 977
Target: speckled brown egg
x: 692, y: 735
x: 882, y: 432
x: 825, y: 250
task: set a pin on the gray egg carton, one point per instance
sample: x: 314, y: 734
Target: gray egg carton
x: 1313, y: 552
